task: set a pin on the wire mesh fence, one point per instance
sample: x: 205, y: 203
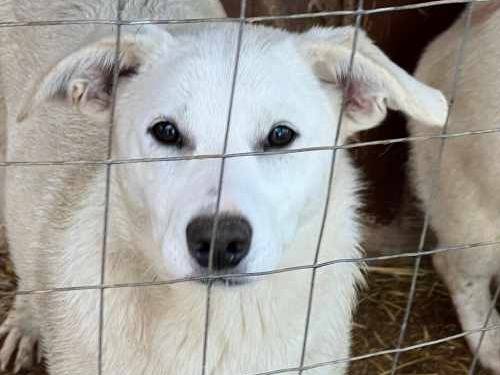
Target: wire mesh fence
x: 359, y: 12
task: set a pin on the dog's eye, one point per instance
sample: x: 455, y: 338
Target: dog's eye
x: 166, y: 132
x: 280, y: 136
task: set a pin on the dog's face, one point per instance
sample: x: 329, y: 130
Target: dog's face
x: 177, y: 98
x: 180, y: 107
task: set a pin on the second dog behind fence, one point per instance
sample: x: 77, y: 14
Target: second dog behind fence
x: 462, y: 204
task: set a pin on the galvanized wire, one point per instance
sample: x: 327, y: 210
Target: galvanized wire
x: 326, y: 206
x: 109, y: 162
x: 380, y: 352
x: 433, y: 180
x: 491, y: 310
x: 265, y: 18
x: 243, y: 5
x: 328, y: 263
x: 347, y: 146
x: 116, y: 74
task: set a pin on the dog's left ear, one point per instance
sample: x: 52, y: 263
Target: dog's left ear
x: 85, y: 78
x: 375, y: 84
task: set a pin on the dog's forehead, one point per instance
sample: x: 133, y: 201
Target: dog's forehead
x: 260, y: 56
x: 273, y: 81
x: 206, y: 59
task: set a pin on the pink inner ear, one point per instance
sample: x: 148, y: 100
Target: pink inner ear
x: 484, y: 11
x: 357, y: 98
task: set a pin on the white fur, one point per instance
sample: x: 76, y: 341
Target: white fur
x: 58, y: 110
x: 464, y: 209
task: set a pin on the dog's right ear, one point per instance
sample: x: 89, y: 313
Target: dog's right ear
x: 85, y: 78
x: 375, y: 83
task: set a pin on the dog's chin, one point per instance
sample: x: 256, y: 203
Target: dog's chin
x: 232, y: 281
x: 229, y: 282
x: 226, y: 281
x: 231, y: 278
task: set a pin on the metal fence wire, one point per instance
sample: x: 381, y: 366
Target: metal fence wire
x: 359, y: 12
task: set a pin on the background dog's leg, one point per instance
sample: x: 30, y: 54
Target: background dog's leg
x: 20, y: 336
x: 472, y: 297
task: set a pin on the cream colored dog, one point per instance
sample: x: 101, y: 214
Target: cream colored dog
x: 465, y: 210
x: 172, y: 100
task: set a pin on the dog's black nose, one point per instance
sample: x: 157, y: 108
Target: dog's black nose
x: 232, y: 240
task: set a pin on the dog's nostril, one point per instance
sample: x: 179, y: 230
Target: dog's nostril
x: 235, y: 247
x: 202, y: 247
x: 231, y: 245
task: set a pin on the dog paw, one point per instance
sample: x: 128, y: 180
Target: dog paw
x: 492, y: 364
x: 20, y: 343
x: 489, y: 352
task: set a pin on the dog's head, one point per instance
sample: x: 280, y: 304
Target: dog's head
x: 175, y: 99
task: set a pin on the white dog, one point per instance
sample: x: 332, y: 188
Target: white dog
x: 464, y: 208
x: 173, y: 100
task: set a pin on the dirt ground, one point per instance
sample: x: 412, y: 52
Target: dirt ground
x: 7, y: 286
x: 378, y: 322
